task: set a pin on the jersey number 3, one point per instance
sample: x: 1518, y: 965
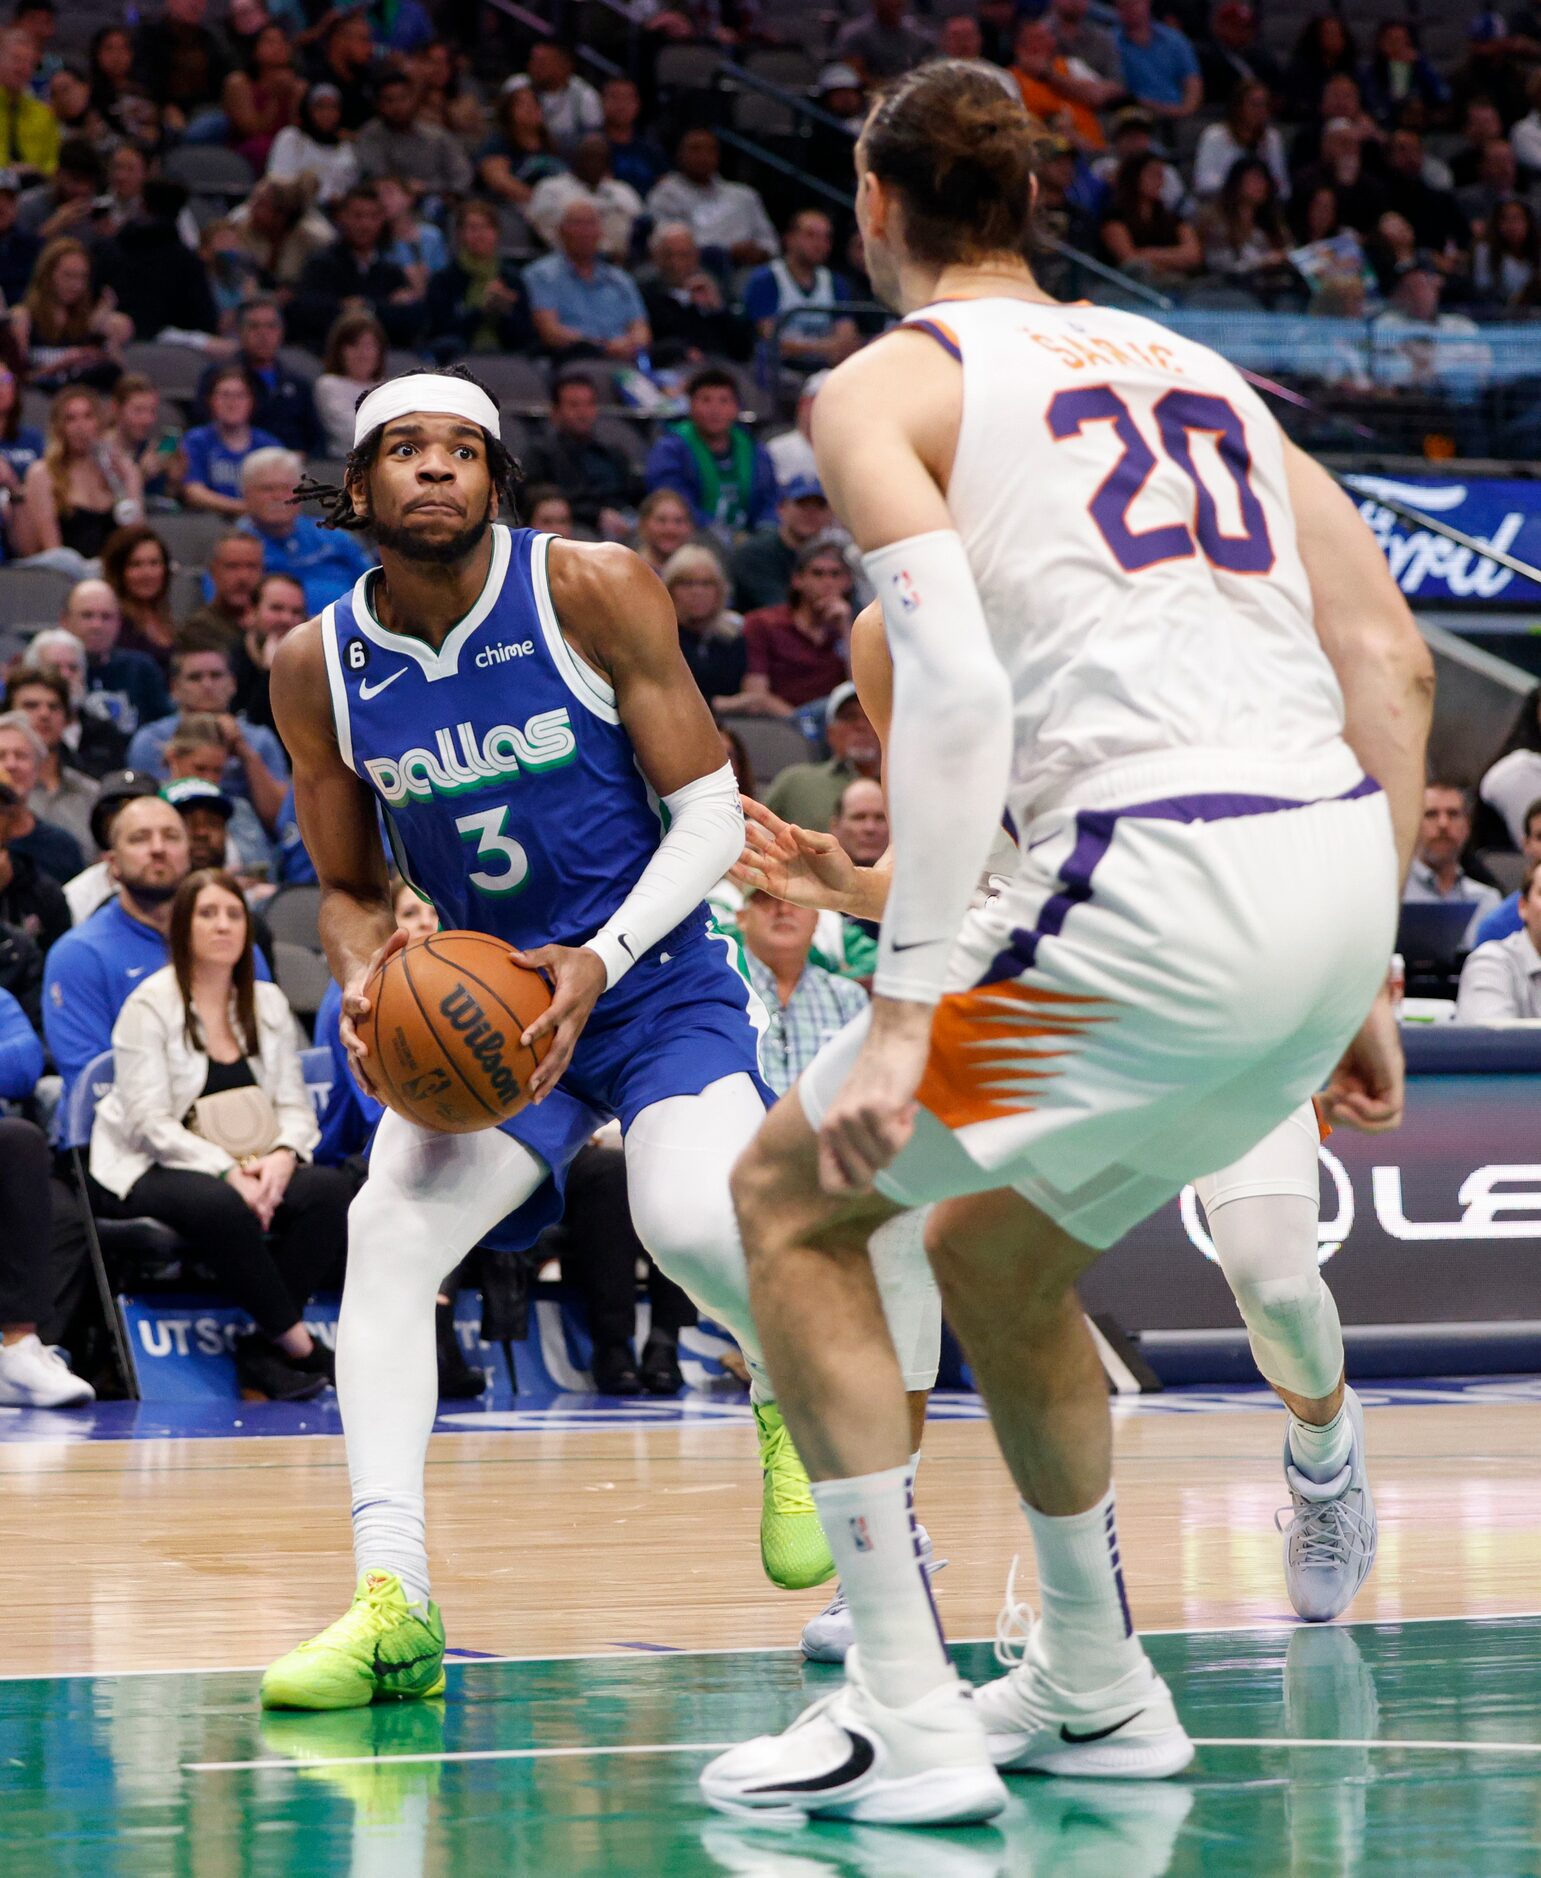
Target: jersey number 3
x: 1180, y: 415
x: 492, y: 845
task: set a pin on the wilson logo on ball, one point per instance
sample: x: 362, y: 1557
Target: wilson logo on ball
x: 483, y: 1041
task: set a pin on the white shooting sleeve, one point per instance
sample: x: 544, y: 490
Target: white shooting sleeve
x: 704, y: 838
x: 949, y: 755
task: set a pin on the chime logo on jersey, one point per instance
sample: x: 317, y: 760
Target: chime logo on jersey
x: 458, y: 763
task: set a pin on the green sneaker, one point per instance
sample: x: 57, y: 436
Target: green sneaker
x: 793, y: 1548
x: 381, y: 1650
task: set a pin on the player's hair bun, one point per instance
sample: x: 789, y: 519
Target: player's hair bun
x: 958, y: 145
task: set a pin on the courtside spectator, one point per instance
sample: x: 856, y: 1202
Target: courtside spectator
x: 44, y: 1255
x: 1505, y: 917
x: 1434, y: 213
x: 599, y: 480
x: 548, y: 510
x: 447, y: 94
x: 762, y: 563
x: 686, y: 308
x: 727, y: 219
x: 22, y: 754
x: 1512, y: 780
x: 478, y: 301
x: 581, y: 305
x: 324, y: 560
x: 208, y: 1127
x: 216, y: 450
x: 713, y: 461
x: 66, y: 202
x: 235, y: 568
x: 569, y: 104
x: 860, y: 825
x: 1158, y: 65
x: 203, y: 687
x: 83, y: 487
x: 1506, y: 260
x: 798, y: 651
x: 396, y: 142
x: 664, y: 525
x: 62, y: 795
x: 883, y: 43
x: 807, y: 1004
x: 1436, y: 875
x: 520, y: 153
x: 1243, y: 233
x: 284, y: 407
x: 128, y: 686
x: 31, y: 900
x: 122, y: 102
x: 93, y: 741
x: 137, y: 567
x: 1501, y: 981
x: 313, y: 150
x: 29, y: 131
x: 711, y: 634
x: 21, y: 445
x: 355, y: 268
x: 354, y: 364
x: 589, y: 180
x: 809, y: 793
x: 789, y: 299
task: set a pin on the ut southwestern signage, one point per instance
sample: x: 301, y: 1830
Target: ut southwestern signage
x: 1500, y: 514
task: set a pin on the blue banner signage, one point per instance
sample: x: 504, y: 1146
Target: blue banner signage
x: 1499, y: 513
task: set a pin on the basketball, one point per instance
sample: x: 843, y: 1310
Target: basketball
x: 446, y: 1015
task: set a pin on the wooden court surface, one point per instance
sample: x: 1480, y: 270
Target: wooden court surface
x: 212, y: 1554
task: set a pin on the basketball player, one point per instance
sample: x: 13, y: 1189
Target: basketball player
x: 519, y: 709
x: 1124, y: 610
x: 1262, y: 1214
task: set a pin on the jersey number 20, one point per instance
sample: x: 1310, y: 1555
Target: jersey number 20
x: 492, y: 845
x: 1179, y: 416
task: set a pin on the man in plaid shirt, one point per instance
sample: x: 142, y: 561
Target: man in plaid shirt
x: 807, y: 1004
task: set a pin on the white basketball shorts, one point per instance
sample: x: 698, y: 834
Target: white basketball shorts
x: 1154, y: 991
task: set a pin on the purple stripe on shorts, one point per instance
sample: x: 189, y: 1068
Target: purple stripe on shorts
x: 1095, y: 829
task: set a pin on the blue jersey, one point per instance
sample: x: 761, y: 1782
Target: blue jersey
x: 510, y: 787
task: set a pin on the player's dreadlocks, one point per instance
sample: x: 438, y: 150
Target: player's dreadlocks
x: 337, y: 509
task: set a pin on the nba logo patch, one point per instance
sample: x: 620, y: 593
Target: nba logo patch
x: 908, y: 593
x: 860, y: 1534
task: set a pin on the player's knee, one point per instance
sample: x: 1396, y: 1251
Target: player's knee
x: 753, y: 1185
x: 1296, y: 1337
x: 973, y: 1264
x: 386, y: 1231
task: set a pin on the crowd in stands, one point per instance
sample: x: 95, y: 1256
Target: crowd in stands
x: 219, y: 230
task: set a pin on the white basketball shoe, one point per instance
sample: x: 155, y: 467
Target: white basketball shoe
x: 851, y: 1757
x: 827, y: 1637
x: 1126, y: 1731
x: 34, y: 1375
x: 1329, y: 1543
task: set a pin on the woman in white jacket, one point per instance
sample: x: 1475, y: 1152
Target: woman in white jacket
x: 208, y: 1127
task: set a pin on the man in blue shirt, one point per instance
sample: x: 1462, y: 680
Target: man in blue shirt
x: 713, y: 461
x: 326, y: 562
x: 215, y: 451
x: 1158, y: 63
x: 89, y: 974
x: 1504, y: 919
x: 581, y: 305
x: 801, y: 285
x: 202, y: 684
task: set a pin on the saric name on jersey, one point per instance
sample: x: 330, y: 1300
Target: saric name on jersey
x: 484, y: 1043
x: 460, y: 762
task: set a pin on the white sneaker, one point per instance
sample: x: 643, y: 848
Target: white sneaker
x: 1329, y: 1544
x: 1126, y: 1731
x: 827, y: 1637
x: 34, y: 1376
x: 850, y: 1757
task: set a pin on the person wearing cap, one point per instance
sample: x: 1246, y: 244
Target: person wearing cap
x: 598, y: 479
x: 206, y: 813
x: 691, y: 320
x: 797, y: 651
x: 884, y: 43
x: 29, y: 898
x: 323, y: 561
x: 727, y: 219
x: 712, y: 460
x: 1157, y: 63
x: 762, y: 564
x: 62, y: 794
x: 809, y: 793
x: 840, y: 91
x: 789, y: 299
x: 93, y: 886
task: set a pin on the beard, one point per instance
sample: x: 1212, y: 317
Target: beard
x: 399, y: 539
x: 151, y: 892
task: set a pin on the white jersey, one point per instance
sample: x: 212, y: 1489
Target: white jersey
x: 1121, y: 496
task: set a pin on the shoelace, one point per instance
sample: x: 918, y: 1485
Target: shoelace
x: 1324, y: 1532
x: 1014, y: 1625
x: 789, y: 1484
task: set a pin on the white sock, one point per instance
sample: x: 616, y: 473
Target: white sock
x: 761, y: 1388
x: 390, y: 1536
x: 870, y: 1524
x: 1086, y: 1634
x: 1320, y: 1453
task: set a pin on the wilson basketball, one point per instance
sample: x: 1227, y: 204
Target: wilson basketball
x: 443, y: 1031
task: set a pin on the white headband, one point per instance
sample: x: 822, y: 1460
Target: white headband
x: 425, y: 394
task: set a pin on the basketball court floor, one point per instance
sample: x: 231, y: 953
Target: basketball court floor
x: 599, y: 1573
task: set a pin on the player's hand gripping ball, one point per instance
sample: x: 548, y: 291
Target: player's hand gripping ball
x: 445, y: 1018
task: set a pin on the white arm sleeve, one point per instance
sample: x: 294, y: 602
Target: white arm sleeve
x: 949, y: 755
x: 704, y: 838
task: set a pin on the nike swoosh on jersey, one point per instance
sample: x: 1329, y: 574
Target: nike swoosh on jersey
x: 367, y: 691
x: 135, y: 971
x: 857, y: 1763
x: 911, y: 945
x: 1097, y: 1734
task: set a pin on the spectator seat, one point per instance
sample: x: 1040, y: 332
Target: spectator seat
x: 174, y: 369
x: 772, y: 744
x: 513, y: 380
x: 293, y: 915
x: 207, y: 169
x: 302, y: 976
x: 32, y: 596
x: 190, y: 537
